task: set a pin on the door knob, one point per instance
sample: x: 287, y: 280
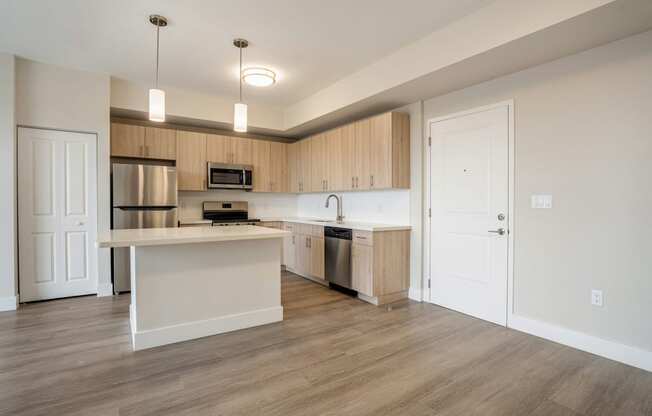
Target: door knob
x: 500, y: 231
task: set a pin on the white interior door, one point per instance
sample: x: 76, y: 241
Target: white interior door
x: 57, y: 215
x: 469, y: 168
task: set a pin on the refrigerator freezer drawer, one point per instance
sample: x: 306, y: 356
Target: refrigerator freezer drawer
x: 128, y: 217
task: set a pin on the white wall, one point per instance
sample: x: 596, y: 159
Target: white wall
x: 8, y: 286
x: 584, y: 135
x: 261, y: 205
x: 53, y: 97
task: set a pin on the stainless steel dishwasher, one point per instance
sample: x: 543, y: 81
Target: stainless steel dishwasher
x: 338, y: 256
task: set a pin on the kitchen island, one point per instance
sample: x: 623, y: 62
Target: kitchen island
x: 188, y: 283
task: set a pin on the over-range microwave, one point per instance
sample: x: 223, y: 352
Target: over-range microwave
x: 226, y: 176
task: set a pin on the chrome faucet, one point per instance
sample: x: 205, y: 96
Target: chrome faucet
x: 340, y: 217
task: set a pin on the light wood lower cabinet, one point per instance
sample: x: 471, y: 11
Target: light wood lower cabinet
x: 380, y: 265
x: 316, y: 245
x: 307, y: 243
x: 191, y: 161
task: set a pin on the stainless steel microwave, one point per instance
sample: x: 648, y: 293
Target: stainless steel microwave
x: 226, y: 176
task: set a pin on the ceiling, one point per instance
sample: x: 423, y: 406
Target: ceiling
x: 310, y: 43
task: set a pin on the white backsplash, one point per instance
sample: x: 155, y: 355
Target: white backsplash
x: 386, y: 207
x: 261, y: 205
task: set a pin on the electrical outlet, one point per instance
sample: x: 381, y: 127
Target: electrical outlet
x: 596, y: 297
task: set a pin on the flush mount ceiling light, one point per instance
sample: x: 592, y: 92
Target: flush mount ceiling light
x: 258, y: 76
x: 157, y: 96
x: 240, y: 108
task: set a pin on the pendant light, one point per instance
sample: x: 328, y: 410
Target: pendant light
x: 157, y: 96
x: 240, y: 108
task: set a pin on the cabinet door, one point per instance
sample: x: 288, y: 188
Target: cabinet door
x: 261, y: 159
x: 362, y: 268
x: 293, y: 174
x: 240, y: 150
x: 318, y: 163
x: 316, y: 257
x: 381, y: 151
x: 127, y: 140
x: 347, y: 155
x: 217, y: 148
x: 289, y: 251
x: 191, y: 161
x: 333, y: 158
x: 303, y: 166
x: 362, y: 145
x: 278, y: 163
x: 303, y: 257
x: 160, y: 143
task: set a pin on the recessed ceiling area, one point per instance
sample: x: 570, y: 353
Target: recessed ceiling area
x: 310, y: 44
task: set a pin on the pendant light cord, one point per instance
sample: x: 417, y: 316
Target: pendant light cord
x: 158, y: 28
x: 240, y: 74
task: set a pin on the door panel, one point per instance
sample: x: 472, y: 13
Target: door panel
x: 127, y: 140
x: 469, y: 189
x: 217, y: 149
x: 347, y: 155
x: 318, y: 163
x: 191, y: 161
x: 293, y: 174
x: 262, y: 172
x: 317, y: 257
x: 362, y: 268
x: 160, y: 143
x: 279, y: 167
x: 381, y: 151
x: 362, y: 167
x: 241, y: 150
x: 57, y: 218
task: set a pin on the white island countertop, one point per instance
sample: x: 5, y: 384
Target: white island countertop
x: 185, y: 235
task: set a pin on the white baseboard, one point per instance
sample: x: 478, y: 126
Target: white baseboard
x: 9, y: 303
x: 198, y: 329
x: 415, y: 294
x: 104, y: 289
x: 633, y: 356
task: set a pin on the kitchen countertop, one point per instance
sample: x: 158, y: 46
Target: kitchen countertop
x: 353, y: 225
x: 185, y: 235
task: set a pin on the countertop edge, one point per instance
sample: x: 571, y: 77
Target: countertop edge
x: 187, y: 240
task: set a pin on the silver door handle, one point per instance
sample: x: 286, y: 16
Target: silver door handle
x: 500, y: 231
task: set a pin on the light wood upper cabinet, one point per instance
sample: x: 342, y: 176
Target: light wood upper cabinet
x: 278, y: 161
x: 319, y: 154
x: 127, y: 140
x: 390, y: 151
x: 160, y: 143
x: 241, y: 150
x: 227, y: 149
x: 334, y: 160
x: 347, y: 156
x: 217, y: 148
x: 262, y: 170
x: 293, y: 174
x: 303, y: 166
x: 361, y: 156
x: 191, y: 161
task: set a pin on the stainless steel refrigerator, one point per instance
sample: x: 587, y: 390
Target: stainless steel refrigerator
x: 143, y: 196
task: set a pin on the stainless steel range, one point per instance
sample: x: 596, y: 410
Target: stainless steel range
x: 223, y: 213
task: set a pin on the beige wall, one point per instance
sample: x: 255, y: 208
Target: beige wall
x: 584, y: 135
x: 48, y: 96
x: 7, y: 183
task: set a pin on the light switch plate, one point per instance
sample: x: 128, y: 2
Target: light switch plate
x: 596, y: 297
x: 542, y: 201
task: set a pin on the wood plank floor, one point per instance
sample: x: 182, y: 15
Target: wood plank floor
x: 332, y: 355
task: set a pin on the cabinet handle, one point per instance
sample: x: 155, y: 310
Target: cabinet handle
x: 141, y: 150
x: 292, y: 240
x: 352, y: 182
x: 357, y: 182
x: 372, y: 181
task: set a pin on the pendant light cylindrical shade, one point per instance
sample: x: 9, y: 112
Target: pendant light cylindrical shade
x: 240, y: 117
x: 156, y: 105
x: 157, y: 96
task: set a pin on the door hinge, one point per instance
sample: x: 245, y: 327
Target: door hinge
x: 429, y: 141
x: 428, y: 283
x: 429, y: 212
